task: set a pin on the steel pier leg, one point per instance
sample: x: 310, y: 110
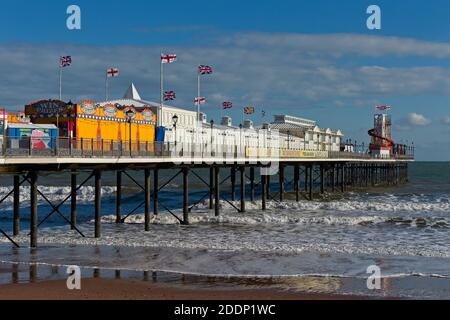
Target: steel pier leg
x: 263, y: 191
x: 233, y: 184
x: 185, y: 196
x: 211, y: 188
x: 16, y: 222
x: 73, y: 199
x: 119, y: 197
x: 156, y: 192
x: 33, y: 210
x: 242, y: 170
x: 217, y: 191
x: 281, y: 182
x: 252, y: 184
x: 296, y: 182
x: 98, y: 203
x: 147, y: 192
x: 322, y: 179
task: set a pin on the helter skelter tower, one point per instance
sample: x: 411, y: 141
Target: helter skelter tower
x: 381, y: 134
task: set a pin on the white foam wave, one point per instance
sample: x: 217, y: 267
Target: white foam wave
x: 380, y: 205
x: 252, y: 219
x: 292, y: 213
x: 56, y: 193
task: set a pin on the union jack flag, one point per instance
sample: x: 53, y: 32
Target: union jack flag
x: 383, y: 108
x: 227, y: 105
x: 112, y: 72
x: 65, y: 61
x: 249, y: 110
x: 169, y: 95
x: 168, y: 58
x: 200, y: 100
x: 205, y: 70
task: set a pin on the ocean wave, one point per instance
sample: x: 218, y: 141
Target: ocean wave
x: 56, y: 193
x: 365, y: 205
x: 290, y: 215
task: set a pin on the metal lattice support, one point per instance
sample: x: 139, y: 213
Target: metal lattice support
x: 152, y: 194
x: 16, y: 221
x: 55, y: 208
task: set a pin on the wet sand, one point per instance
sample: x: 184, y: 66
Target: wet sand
x: 110, y: 289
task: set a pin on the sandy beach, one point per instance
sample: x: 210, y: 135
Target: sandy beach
x: 109, y: 289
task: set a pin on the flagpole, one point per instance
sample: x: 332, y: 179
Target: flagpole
x: 161, y: 87
x: 60, y: 82
x: 198, y: 96
x: 106, y: 87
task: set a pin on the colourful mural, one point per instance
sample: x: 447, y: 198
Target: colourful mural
x: 99, y: 125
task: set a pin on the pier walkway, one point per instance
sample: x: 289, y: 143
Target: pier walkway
x: 312, y: 173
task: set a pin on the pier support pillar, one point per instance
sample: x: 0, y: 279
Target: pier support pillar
x: 98, y: 203
x: 306, y: 178
x: 242, y: 171
x: 281, y: 182
x: 217, y: 191
x: 322, y: 179
x: 406, y: 173
x: 311, y: 182
x: 16, y: 221
x: 33, y: 210
x: 211, y: 188
x: 342, y: 178
x: 119, y: 197
x: 263, y: 191
x: 252, y: 184
x: 268, y: 187
x: 233, y: 184
x: 73, y: 199
x: 296, y: 182
x: 156, y: 192
x: 147, y: 192
x: 185, y: 196
x: 333, y: 178
x: 372, y: 175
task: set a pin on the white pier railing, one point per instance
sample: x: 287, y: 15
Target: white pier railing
x: 24, y: 147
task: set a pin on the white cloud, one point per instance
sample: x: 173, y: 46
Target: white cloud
x: 342, y: 44
x: 446, y: 120
x: 276, y: 70
x: 417, y: 119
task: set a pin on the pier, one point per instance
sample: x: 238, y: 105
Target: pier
x: 252, y: 170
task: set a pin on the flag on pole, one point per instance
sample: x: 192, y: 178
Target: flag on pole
x: 383, y: 108
x: 200, y: 100
x: 169, y: 95
x: 249, y: 110
x: 65, y: 61
x: 112, y: 72
x: 168, y: 58
x: 205, y: 69
x: 227, y: 105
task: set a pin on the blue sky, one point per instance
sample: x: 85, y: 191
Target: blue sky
x: 314, y: 59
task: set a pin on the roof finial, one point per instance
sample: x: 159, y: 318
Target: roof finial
x: 132, y: 93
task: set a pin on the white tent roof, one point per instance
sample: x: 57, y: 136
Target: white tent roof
x: 132, y: 93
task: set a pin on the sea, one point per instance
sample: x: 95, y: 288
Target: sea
x: 329, y: 245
